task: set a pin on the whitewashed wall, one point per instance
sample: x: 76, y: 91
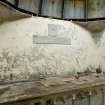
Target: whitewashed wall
x: 21, y: 59
x: 101, y: 49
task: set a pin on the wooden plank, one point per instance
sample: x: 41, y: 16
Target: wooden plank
x: 83, y: 101
x: 30, y: 5
x: 59, y: 102
x: 96, y: 8
x: 79, y: 9
x: 68, y: 9
x: 68, y: 101
x: 97, y: 98
x: 103, y: 97
x: 74, y: 9
x: 52, y: 8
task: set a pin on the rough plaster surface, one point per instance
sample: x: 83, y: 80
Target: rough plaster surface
x: 20, y: 58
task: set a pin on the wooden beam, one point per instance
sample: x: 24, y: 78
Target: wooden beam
x: 86, y: 9
x: 16, y: 3
x: 62, y: 11
x: 40, y: 7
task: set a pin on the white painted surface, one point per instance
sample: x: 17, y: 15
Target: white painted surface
x: 16, y: 40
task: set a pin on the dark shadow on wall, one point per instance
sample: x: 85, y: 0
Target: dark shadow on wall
x: 10, y: 14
